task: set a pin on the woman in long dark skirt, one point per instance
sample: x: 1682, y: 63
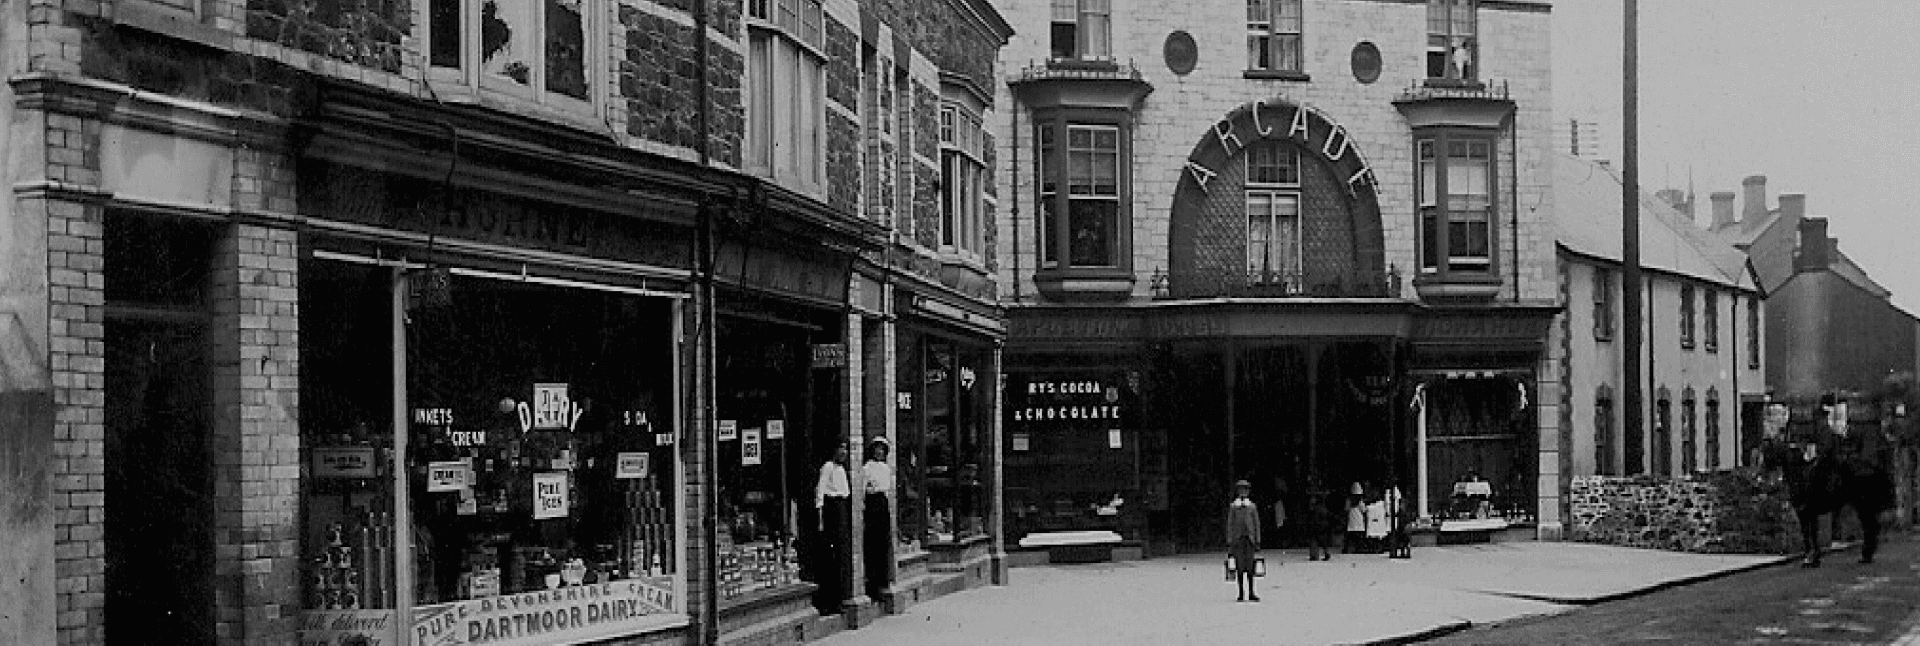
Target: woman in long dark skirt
x: 1243, y: 540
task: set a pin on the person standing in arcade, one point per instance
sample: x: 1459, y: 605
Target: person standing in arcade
x: 1243, y: 539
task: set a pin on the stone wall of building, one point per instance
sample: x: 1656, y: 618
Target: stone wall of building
x: 1731, y: 512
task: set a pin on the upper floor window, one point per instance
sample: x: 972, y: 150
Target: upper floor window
x: 1456, y: 203
x: 1080, y: 194
x: 962, y: 180
x: 1686, y: 317
x: 1753, y: 332
x: 1082, y: 29
x: 1602, y: 303
x: 1453, y: 51
x: 786, y: 96
x: 1273, y: 35
x: 533, y: 48
x: 1710, y: 306
x: 1273, y: 214
x: 1603, y: 433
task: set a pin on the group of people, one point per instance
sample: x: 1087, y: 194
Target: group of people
x: 1377, y: 521
x: 833, y: 505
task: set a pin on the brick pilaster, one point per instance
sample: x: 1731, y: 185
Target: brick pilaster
x: 691, y: 435
x: 855, y: 436
x: 256, y: 435
x: 77, y: 358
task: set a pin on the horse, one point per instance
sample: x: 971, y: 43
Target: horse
x: 1827, y: 472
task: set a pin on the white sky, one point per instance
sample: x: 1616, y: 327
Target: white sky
x: 1822, y: 97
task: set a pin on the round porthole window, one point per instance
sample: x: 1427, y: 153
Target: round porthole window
x: 1366, y: 62
x: 1181, y: 52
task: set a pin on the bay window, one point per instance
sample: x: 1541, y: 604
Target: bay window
x: 532, y: 49
x: 1273, y: 215
x: 1081, y: 30
x: 1081, y: 222
x: 786, y: 94
x: 962, y: 181
x: 1452, y: 51
x: 1455, y: 193
x: 1273, y: 35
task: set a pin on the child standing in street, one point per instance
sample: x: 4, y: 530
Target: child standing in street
x: 1243, y: 539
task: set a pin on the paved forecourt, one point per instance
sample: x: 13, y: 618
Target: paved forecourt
x: 1351, y: 600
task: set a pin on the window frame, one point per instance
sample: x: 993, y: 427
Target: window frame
x: 1603, y: 431
x: 1687, y: 329
x: 1274, y: 31
x: 1053, y: 212
x: 1713, y: 429
x: 1276, y: 190
x: 1448, y: 40
x: 469, y: 75
x: 963, y: 171
x: 1443, y: 267
x: 1753, y: 333
x: 794, y: 35
x: 1602, y: 304
x: 1689, y: 431
x: 1662, y: 449
x: 1084, y: 28
x: 1710, y: 319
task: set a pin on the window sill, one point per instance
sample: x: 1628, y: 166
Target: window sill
x: 1457, y: 286
x: 1084, y: 283
x: 1279, y: 75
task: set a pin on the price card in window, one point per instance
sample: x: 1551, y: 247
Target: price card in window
x: 1020, y: 441
x: 550, y: 406
x: 549, y: 495
x: 451, y: 475
x: 628, y: 466
x: 750, y: 447
x: 1113, y: 438
x: 776, y: 429
x: 729, y: 430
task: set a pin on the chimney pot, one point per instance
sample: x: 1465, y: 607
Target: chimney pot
x: 1723, y: 209
x: 1793, y: 206
x: 1755, y: 187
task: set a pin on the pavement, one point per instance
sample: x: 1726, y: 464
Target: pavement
x: 1353, y: 599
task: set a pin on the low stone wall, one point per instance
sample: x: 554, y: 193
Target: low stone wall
x: 1726, y: 512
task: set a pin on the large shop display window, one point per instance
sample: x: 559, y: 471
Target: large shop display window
x: 1481, y: 449
x: 538, y: 457
x: 768, y: 462
x: 946, y: 399
x: 1071, y: 463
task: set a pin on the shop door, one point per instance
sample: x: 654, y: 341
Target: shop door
x: 159, y: 534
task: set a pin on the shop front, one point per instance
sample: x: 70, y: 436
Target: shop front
x: 490, y: 420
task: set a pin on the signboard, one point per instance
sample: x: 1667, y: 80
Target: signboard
x: 1021, y: 441
x: 343, y: 462
x: 750, y: 447
x: 829, y: 355
x: 359, y: 627
x: 568, y: 615
x: 550, y: 406
x: 451, y: 475
x: 729, y: 430
x: 776, y: 429
x: 1113, y: 438
x: 628, y: 466
x: 549, y: 495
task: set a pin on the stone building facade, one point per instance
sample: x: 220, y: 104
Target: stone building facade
x: 372, y: 320
x: 1223, y: 264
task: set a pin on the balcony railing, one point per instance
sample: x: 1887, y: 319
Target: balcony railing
x: 1079, y: 69
x: 1383, y: 283
x: 1425, y: 89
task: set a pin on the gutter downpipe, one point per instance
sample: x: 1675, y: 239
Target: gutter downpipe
x: 705, y: 379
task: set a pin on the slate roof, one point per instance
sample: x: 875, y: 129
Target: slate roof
x: 1586, y: 202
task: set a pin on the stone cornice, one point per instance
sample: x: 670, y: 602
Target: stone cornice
x: 125, y: 105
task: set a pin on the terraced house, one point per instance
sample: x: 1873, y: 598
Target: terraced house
x: 488, y: 321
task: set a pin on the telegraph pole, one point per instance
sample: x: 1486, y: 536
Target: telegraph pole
x: 1631, y: 285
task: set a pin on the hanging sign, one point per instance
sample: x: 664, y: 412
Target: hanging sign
x: 628, y: 466
x: 450, y: 475
x: 549, y: 495
x: 829, y: 355
x: 750, y: 447
x: 776, y: 429
x: 343, y: 462
x: 729, y: 430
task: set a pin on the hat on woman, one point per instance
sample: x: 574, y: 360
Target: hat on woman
x: 1243, y: 484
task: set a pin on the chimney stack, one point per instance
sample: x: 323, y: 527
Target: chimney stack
x: 1793, y: 206
x: 1815, y: 251
x: 1755, y: 187
x: 1723, y: 209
